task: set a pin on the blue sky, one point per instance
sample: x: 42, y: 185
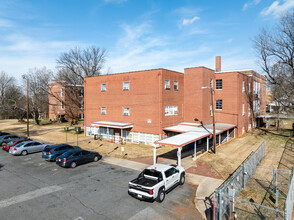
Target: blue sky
x: 137, y: 34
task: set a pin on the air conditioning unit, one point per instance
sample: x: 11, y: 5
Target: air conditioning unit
x: 125, y: 114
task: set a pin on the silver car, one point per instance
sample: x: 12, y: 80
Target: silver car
x: 27, y: 147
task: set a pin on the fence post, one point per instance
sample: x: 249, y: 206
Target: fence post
x: 244, y: 175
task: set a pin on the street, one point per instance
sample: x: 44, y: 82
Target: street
x: 31, y: 188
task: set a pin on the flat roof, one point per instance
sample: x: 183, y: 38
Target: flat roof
x: 191, y: 134
x: 190, y: 123
x: 112, y: 124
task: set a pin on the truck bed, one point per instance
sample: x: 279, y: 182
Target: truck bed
x: 147, y: 182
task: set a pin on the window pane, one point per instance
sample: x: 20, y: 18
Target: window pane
x: 219, y: 84
x: 103, y: 87
x: 126, y: 85
x: 166, y: 84
x: 176, y: 86
x: 219, y: 104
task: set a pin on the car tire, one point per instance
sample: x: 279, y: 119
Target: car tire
x: 182, y: 179
x: 73, y: 165
x: 161, y: 195
x: 96, y: 158
x: 24, y: 153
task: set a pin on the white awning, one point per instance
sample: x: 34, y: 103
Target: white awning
x: 191, y: 134
x: 112, y: 124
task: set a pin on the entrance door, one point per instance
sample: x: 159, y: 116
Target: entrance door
x: 116, y: 140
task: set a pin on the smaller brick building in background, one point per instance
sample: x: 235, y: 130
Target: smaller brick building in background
x: 64, y: 104
x: 138, y: 106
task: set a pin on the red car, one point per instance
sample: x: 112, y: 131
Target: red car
x: 10, y: 144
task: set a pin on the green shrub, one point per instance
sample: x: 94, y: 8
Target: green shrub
x: 78, y: 130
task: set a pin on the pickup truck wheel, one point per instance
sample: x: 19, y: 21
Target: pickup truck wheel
x: 161, y: 195
x: 96, y: 158
x: 182, y: 180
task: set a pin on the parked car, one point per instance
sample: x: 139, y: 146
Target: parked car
x: 27, y: 147
x: 155, y: 181
x: 6, y: 138
x: 12, y: 143
x: 74, y: 158
x: 51, y: 152
x: 3, y: 133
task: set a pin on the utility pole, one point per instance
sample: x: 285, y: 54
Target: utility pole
x: 213, y: 119
x: 28, y: 130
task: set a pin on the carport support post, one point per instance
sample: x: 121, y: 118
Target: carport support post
x: 207, y: 144
x: 154, y: 154
x: 195, y: 149
x: 228, y: 135
x: 219, y: 138
x: 179, y: 155
x: 107, y: 140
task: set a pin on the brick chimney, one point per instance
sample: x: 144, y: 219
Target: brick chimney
x: 218, y: 64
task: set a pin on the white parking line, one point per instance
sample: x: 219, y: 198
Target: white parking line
x: 29, y: 196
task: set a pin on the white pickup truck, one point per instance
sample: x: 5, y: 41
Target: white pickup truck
x: 154, y: 181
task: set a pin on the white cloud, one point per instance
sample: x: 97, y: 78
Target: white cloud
x: 250, y: 3
x: 190, y: 21
x: 278, y: 7
x: 6, y: 23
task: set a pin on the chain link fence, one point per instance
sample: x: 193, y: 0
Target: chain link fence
x: 234, y: 185
x: 290, y: 200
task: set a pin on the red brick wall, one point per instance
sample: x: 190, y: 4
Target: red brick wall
x: 146, y: 99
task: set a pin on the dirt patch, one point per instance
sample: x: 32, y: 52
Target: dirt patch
x: 203, y: 169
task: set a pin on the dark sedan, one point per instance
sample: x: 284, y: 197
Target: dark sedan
x: 7, y: 138
x: 74, y: 158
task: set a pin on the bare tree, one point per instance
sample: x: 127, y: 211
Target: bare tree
x: 275, y: 49
x: 5, y: 82
x: 73, y: 67
x: 38, y: 90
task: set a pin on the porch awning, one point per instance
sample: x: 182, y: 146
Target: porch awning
x: 191, y: 134
x: 112, y: 124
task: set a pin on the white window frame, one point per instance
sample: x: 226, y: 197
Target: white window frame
x: 217, y: 105
x: 126, y: 86
x: 103, y: 111
x: 249, y: 89
x: 243, y: 109
x: 167, y: 84
x: 176, y: 85
x: 61, y: 92
x: 171, y: 110
x: 82, y: 105
x: 249, y: 110
x: 216, y: 84
x: 62, y: 105
x: 81, y: 92
x: 103, y: 87
x: 243, y: 86
x: 126, y: 111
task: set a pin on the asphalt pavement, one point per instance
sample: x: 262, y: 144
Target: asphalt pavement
x: 31, y: 188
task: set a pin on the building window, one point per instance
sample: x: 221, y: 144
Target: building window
x: 171, y: 110
x: 103, y: 87
x: 249, y: 127
x: 166, y: 84
x: 243, y: 86
x: 249, y: 89
x: 126, y: 86
x: 243, y: 109
x: 249, y: 110
x: 219, y: 104
x: 243, y: 130
x: 126, y: 111
x: 81, y: 92
x: 219, y: 84
x: 210, y: 110
x: 81, y: 116
x: 176, y: 85
x: 81, y: 105
x: 61, y: 93
x: 211, y: 83
x: 103, y: 110
x: 62, y: 105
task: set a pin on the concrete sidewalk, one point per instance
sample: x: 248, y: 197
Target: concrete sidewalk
x: 206, y: 185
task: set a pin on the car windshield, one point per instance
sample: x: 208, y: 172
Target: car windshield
x: 10, y: 142
x: 47, y: 149
x: 67, y: 154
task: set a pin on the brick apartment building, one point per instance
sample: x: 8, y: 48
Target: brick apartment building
x: 63, y: 103
x: 146, y: 106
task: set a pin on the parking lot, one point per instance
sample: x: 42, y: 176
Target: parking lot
x: 31, y: 188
